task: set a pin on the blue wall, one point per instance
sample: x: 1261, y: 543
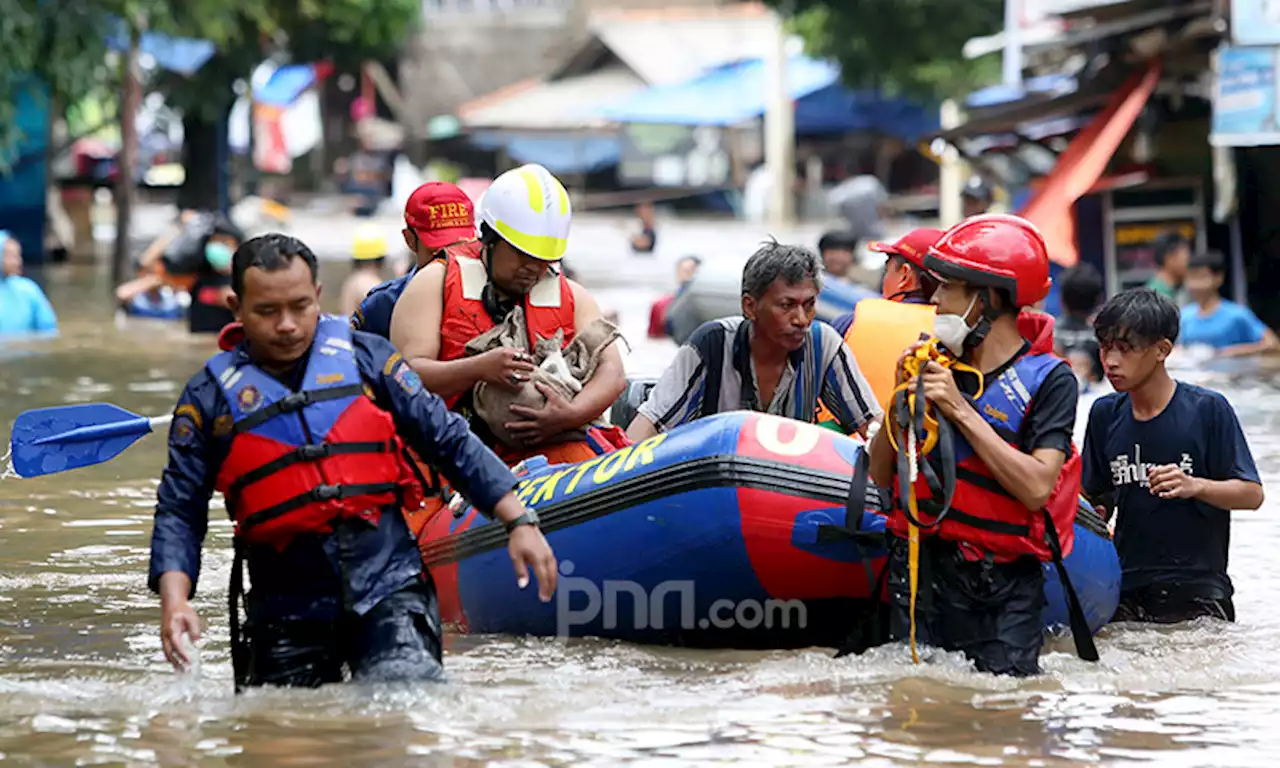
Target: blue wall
x: 22, y: 190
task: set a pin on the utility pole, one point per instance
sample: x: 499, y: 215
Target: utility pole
x: 1011, y: 60
x: 779, y: 130
x: 125, y: 192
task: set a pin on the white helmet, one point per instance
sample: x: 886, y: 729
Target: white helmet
x: 529, y: 208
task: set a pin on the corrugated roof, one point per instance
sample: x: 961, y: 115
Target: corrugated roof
x: 671, y: 45
x: 568, y: 103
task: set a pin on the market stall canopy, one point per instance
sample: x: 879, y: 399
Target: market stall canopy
x: 560, y: 154
x: 737, y: 92
x: 289, y: 82
x: 183, y: 55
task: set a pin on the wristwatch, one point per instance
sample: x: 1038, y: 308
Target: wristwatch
x: 528, y: 517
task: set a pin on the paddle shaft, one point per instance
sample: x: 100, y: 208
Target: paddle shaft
x: 139, y: 426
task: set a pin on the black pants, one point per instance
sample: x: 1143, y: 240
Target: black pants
x: 398, y: 640
x: 1170, y: 604
x: 990, y: 611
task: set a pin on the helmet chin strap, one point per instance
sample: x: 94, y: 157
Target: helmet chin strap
x: 983, y: 326
x: 497, y: 307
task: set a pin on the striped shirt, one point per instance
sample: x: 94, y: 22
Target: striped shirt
x: 822, y: 370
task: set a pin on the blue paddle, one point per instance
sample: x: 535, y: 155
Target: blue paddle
x: 49, y: 440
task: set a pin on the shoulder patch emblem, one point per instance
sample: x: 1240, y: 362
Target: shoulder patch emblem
x: 408, y: 380
x: 249, y: 399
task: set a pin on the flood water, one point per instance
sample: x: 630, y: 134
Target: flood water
x: 83, y: 680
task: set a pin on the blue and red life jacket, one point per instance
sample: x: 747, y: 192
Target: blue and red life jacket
x: 298, y: 461
x: 983, y: 514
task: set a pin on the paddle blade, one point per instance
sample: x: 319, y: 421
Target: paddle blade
x: 49, y: 440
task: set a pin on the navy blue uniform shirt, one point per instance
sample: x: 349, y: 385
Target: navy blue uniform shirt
x: 359, y: 564
x: 374, y: 313
x: 1175, y: 542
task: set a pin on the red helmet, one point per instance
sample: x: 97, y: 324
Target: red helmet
x: 996, y: 251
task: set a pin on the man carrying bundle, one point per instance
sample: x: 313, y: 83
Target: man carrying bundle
x: 512, y: 285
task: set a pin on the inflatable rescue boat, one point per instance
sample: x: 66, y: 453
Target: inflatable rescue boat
x: 730, y: 531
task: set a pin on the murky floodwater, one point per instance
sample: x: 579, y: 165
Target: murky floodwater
x: 83, y: 681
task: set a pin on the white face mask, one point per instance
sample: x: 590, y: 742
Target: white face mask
x: 952, y: 330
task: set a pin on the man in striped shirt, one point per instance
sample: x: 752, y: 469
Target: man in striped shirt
x: 774, y: 358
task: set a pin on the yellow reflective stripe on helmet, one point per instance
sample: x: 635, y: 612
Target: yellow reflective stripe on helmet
x: 564, y: 198
x: 534, y: 184
x: 542, y: 247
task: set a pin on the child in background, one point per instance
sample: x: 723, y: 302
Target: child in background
x: 1231, y: 329
x: 1081, y: 290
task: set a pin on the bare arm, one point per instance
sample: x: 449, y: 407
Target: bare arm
x: 1268, y: 343
x: 610, y: 379
x: 881, y: 458
x: 641, y: 428
x: 127, y: 291
x: 1228, y: 494
x: 1030, y: 477
x: 415, y: 332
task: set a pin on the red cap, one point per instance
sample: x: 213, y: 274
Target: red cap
x: 441, y: 214
x: 911, y: 246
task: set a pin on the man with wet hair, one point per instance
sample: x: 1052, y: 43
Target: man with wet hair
x: 1168, y: 461
x: 301, y: 424
x: 760, y: 360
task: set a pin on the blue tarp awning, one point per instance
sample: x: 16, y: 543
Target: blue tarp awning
x: 558, y: 154
x: 1044, y: 85
x: 725, y: 95
x: 287, y: 83
x: 735, y: 93
x: 183, y: 55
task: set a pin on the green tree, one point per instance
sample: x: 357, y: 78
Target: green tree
x: 907, y: 47
x: 246, y: 31
x: 61, y: 43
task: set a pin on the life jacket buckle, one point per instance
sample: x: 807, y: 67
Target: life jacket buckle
x: 313, y: 451
x: 326, y: 492
x: 294, y: 402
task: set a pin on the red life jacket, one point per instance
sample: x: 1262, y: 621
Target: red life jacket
x: 547, y: 308
x: 983, y: 514
x: 300, y: 460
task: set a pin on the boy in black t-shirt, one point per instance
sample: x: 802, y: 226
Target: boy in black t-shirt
x: 1170, y: 461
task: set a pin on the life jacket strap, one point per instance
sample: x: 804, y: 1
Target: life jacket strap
x: 320, y: 493
x: 296, y: 401
x: 308, y: 452
x: 1080, y: 634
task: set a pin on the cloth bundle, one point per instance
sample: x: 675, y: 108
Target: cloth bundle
x: 563, y: 370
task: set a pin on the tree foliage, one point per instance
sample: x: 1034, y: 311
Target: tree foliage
x: 62, y: 44
x: 907, y: 47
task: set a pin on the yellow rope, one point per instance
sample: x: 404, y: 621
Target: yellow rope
x: 913, y: 365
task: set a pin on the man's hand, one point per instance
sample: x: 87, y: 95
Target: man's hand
x: 529, y: 549
x: 505, y: 367
x: 941, y: 390
x: 1168, y: 481
x: 543, y: 423
x: 177, y: 617
x: 899, y: 370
